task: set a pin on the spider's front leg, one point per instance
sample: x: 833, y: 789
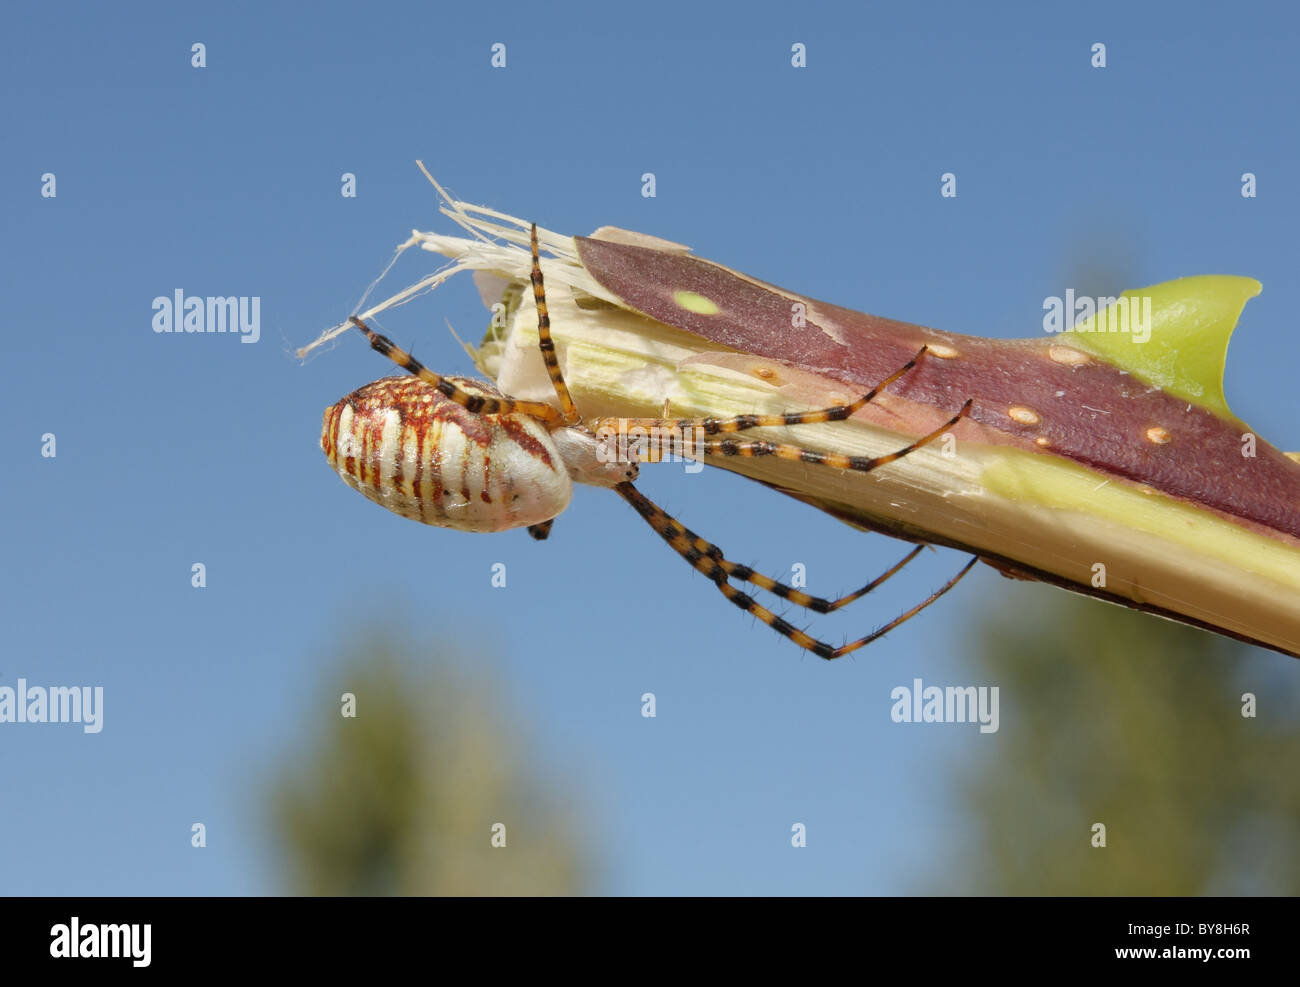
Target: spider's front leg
x: 835, y: 460
x: 740, y: 423
x: 684, y: 431
x: 709, y: 560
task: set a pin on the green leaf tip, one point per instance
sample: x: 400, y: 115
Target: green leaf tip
x: 1173, y: 335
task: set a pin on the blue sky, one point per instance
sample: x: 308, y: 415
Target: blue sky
x: 174, y: 449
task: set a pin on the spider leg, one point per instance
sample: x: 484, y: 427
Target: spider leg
x: 816, y: 604
x: 714, y: 426
x: 709, y: 560
x: 477, y: 404
x: 862, y: 464
x: 547, y: 345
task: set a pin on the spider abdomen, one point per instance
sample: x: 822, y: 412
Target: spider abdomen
x: 403, y: 444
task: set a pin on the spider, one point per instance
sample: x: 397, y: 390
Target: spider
x: 458, y: 453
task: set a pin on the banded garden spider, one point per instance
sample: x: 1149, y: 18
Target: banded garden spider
x: 458, y: 453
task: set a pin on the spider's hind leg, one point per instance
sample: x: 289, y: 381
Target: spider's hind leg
x: 544, y: 341
x: 477, y: 404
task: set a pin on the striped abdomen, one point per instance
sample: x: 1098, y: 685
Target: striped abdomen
x: 407, y: 447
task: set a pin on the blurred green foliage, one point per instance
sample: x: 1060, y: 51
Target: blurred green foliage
x: 402, y: 798
x: 1111, y: 716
